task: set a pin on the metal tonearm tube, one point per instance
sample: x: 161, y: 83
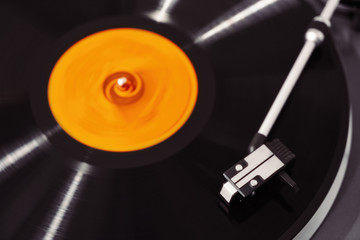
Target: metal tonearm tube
x: 267, y: 159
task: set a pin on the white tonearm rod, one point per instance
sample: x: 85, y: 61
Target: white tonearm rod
x: 267, y: 159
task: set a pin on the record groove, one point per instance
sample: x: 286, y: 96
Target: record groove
x: 170, y: 191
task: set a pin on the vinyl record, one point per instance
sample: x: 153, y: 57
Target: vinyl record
x: 57, y: 186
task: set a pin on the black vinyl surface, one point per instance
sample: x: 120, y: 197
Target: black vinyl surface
x: 49, y: 191
x: 346, y: 206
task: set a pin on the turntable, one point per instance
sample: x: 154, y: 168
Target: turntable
x: 133, y: 119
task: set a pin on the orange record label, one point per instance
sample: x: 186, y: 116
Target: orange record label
x: 122, y: 90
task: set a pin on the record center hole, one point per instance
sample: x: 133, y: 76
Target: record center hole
x: 123, y: 87
x: 123, y: 84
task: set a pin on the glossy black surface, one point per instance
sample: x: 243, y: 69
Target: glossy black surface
x: 346, y: 207
x: 176, y: 198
